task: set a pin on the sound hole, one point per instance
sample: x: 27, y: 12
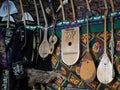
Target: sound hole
x: 51, y: 49
x: 69, y: 44
x: 105, y: 64
x: 52, y: 41
x: 87, y: 62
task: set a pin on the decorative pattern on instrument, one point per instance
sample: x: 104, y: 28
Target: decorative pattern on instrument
x: 70, y: 35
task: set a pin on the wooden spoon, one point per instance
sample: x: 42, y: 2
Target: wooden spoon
x: 44, y: 48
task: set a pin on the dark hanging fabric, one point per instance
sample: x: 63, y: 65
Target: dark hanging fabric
x: 17, y: 72
x: 4, y: 79
x: 3, y: 61
x: 7, y: 36
x: 18, y: 43
x: 7, y: 32
x: 27, y: 50
x: 36, y: 43
x: 22, y: 54
x: 44, y: 64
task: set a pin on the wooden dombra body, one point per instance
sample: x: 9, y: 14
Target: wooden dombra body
x: 87, y: 69
x: 70, y: 46
x: 105, y: 70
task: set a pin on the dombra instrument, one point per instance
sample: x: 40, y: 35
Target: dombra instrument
x: 105, y: 67
x: 87, y: 68
x: 70, y: 41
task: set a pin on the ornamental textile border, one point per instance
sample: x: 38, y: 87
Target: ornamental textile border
x: 96, y: 23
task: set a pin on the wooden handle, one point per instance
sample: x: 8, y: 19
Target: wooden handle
x: 63, y: 12
x: 22, y: 13
x: 36, y: 10
x: 112, y: 5
x: 8, y: 17
x: 46, y: 24
x: 87, y: 27
x: 89, y: 13
x: 112, y: 34
x: 105, y: 3
x: 53, y: 16
x: 87, y: 24
x: 112, y: 26
x: 53, y: 13
x: 73, y: 9
x: 105, y: 36
x: 88, y: 6
x: 105, y: 25
x: 105, y: 15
